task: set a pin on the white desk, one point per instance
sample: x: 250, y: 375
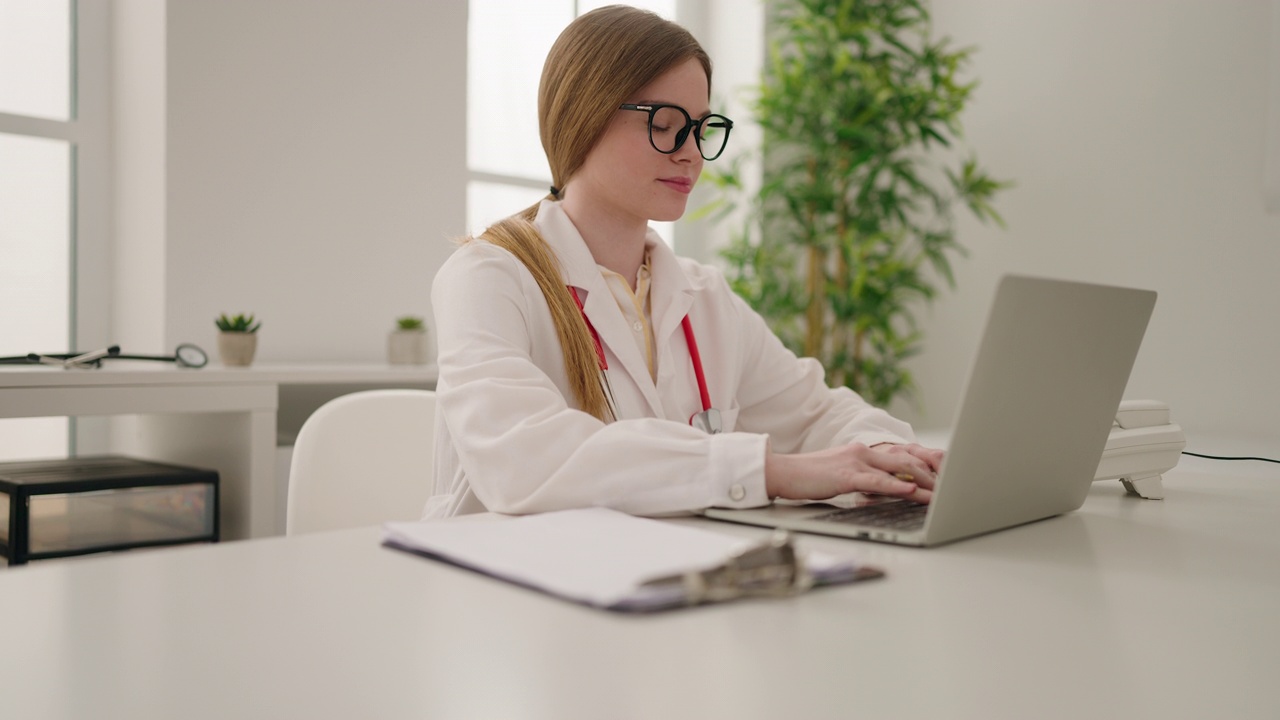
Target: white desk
x: 226, y: 419
x: 1126, y: 609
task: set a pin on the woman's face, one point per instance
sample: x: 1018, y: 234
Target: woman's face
x: 624, y: 175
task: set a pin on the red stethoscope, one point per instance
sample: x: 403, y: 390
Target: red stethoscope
x: 708, y: 420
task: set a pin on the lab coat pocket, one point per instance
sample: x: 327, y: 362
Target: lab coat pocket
x: 729, y: 418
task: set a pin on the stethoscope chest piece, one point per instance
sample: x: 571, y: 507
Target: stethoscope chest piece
x: 707, y: 421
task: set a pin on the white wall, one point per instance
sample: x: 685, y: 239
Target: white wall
x: 311, y: 170
x: 1135, y: 132
x: 138, y: 85
x: 313, y: 161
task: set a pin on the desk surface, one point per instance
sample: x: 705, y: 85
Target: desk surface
x: 1125, y: 609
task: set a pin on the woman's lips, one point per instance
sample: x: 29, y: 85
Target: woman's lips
x: 679, y: 184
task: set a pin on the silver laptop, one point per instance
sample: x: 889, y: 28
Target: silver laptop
x: 1032, y: 424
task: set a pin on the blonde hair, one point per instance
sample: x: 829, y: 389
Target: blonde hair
x: 598, y: 62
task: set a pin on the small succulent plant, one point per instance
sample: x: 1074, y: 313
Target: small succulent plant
x: 410, y: 322
x: 237, y: 323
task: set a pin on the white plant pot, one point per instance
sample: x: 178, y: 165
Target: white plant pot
x: 407, y: 347
x: 237, y: 348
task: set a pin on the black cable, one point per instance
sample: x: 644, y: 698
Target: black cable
x: 1228, y: 457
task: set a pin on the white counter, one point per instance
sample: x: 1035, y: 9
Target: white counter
x: 226, y: 419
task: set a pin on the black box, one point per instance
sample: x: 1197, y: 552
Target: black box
x: 58, y: 508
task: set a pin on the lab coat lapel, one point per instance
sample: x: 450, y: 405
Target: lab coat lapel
x: 598, y: 303
x: 671, y: 298
x: 619, y: 337
x: 671, y: 295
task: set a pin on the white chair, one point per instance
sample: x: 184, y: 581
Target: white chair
x: 362, y: 459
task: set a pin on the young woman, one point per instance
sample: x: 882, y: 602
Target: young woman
x: 583, y: 364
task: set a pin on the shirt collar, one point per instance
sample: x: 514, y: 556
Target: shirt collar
x: 580, y: 268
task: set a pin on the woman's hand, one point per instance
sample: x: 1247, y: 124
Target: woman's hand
x: 905, y: 471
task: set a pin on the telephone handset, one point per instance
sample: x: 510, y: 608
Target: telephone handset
x: 1143, y: 444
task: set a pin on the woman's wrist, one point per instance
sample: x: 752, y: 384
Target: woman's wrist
x: 777, y: 471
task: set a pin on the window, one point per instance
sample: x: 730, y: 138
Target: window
x: 507, y: 42
x: 53, y: 200
x: 37, y: 170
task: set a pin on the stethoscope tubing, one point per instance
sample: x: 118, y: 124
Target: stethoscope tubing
x: 94, y: 358
x: 701, y: 377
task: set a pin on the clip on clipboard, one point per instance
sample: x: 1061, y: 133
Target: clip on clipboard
x: 614, y: 561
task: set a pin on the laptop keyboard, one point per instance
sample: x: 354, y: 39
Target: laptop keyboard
x: 900, y: 515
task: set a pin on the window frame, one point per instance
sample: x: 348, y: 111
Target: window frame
x: 88, y: 133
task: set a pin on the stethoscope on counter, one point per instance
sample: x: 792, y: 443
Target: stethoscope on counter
x: 708, y: 420
x: 185, y: 355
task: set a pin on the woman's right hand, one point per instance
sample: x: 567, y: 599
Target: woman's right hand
x: 853, y: 468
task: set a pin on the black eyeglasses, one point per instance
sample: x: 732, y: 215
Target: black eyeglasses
x: 669, y: 127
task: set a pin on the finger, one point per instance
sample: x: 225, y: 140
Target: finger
x: 910, y: 492
x: 873, y: 481
x: 895, y: 462
x: 909, y: 468
x: 921, y: 495
x: 917, y: 472
x: 930, y: 456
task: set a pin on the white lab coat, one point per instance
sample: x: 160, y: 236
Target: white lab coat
x: 509, y: 437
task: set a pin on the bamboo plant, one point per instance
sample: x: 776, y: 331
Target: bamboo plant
x: 852, y: 227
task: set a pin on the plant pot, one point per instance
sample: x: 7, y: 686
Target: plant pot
x: 407, y: 347
x: 237, y: 348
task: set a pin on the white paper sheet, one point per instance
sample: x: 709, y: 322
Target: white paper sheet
x: 595, y: 556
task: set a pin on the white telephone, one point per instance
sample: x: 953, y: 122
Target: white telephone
x: 1143, y: 444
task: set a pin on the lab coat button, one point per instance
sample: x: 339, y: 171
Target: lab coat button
x: 638, y: 327
x: 737, y: 492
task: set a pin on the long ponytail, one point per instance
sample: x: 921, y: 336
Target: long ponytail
x: 518, y: 235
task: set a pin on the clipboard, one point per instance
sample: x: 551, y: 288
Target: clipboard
x: 610, y: 560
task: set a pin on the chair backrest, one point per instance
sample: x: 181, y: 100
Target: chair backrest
x: 362, y: 459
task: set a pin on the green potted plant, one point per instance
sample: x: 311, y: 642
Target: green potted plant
x: 853, y: 227
x: 407, y: 344
x: 238, y: 339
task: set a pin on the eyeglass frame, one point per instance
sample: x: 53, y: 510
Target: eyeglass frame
x: 683, y: 135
